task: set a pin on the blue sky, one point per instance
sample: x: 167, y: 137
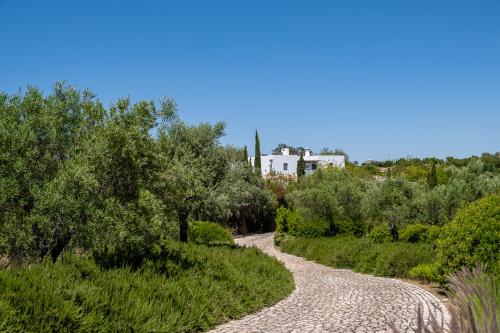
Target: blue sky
x: 380, y: 79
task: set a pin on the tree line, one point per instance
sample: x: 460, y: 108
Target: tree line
x: 115, y: 180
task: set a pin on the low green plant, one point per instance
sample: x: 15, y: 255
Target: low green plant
x: 281, y: 219
x: 414, y: 233
x: 182, y: 288
x: 279, y: 237
x: 299, y: 226
x: 361, y: 254
x: 380, y: 234
x: 396, y: 259
x: 472, y: 237
x: 209, y: 233
x: 426, y: 273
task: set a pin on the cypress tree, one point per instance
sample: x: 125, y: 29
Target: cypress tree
x: 301, y: 167
x: 257, y: 162
x: 432, y: 180
x: 245, y: 155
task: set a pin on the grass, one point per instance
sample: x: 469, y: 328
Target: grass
x: 189, y: 288
x: 361, y: 254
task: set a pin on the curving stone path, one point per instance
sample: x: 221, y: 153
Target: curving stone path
x: 336, y: 300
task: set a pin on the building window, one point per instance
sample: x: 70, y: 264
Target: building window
x: 285, y: 166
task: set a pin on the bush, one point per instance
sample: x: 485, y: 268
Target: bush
x: 396, y: 259
x: 472, y: 237
x: 299, y: 223
x: 432, y: 234
x: 426, y: 273
x: 281, y: 220
x: 279, y: 237
x: 184, y: 288
x: 380, y: 234
x: 299, y: 226
x: 361, y: 254
x: 209, y: 233
x: 414, y: 233
x: 354, y: 228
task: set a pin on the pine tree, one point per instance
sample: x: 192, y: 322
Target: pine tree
x: 432, y: 180
x: 301, y: 167
x: 245, y: 155
x: 257, y: 162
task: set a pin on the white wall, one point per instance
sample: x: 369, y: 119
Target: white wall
x: 276, y: 162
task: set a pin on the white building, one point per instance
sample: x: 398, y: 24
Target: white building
x: 286, y: 164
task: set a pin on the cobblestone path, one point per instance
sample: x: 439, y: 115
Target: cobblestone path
x: 336, y: 300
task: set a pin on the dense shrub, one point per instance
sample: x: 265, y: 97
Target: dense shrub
x: 354, y: 228
x: 300, y: 226
x: 426, y: 273
x: 281, y: 220
x: 472, y: 237
x: 279, y: 237
x: 396, y: 259
x: 361, y: 254
x: 184, y: 288
x: 209, y: 233
x: 299, y: 223
x: 414, y: 233
x: 380, y: 234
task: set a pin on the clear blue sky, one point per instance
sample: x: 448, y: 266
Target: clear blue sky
x: 380, y: 79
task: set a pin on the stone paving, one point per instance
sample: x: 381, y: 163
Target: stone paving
x: 336, y: 300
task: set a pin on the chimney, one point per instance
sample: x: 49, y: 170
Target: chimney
x: 307, y: 152
x: 285, y: 151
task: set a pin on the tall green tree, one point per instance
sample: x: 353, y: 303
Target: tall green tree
x: 257, y: 162
x: 301, y: 167
x: 245, y: 155
x: 432, y: 180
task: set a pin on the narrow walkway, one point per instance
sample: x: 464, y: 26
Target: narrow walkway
x: 336, y: 300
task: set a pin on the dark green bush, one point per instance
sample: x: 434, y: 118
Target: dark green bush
x: 299, y: 223
x: 300, y: 226
x: 380, y: 234
x: 396, y: 259
x: 209, y: 233
x: 473, y: 237
x: 355, y: 228
x: 361, y: 254
x: 414, y: 233
x: 281, y: 220
x: 184, y: 288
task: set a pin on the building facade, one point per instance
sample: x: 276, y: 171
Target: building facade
x: 286, y: 164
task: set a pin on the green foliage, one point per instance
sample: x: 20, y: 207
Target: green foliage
x: 391, y: 203
x: 361, y: 254
x: 396, y: 259
x: 301, y: 167
x: 257, y: 162
x: 332, y: 195
x: 426, y: 273
x: 380, y: 234
x: 281, y: 220
x: 245, y: 155
x: 432, y: 179
x: 414, y: 233
x: 475, y: 301
x: 472, y: 237
x: 209, y: 233
x: 115, y: 181
x: 184, y: 288
x: 300, y: 225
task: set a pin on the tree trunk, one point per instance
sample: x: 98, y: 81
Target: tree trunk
x: 394, y: 233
